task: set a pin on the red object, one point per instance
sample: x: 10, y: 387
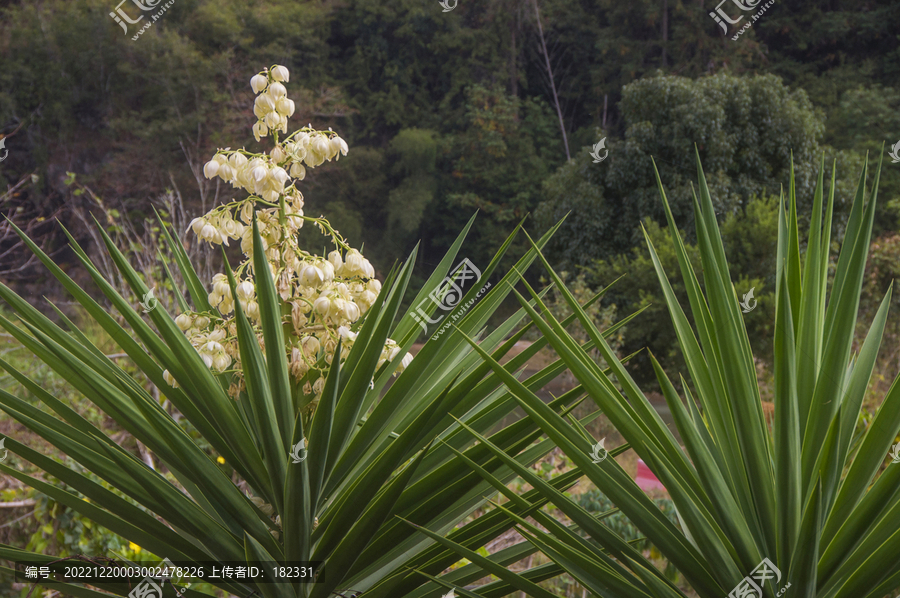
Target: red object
x: 645, y: 478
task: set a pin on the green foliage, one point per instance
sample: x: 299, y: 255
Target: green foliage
x: 743, y: 129
x: 413, y: 153
x: 803, y: 493
x: 748, y: 237
x: 850, y: 125
x: 373, y: 456
x: 598, y: 503
x: 129, y: 112
x: 497, y: 164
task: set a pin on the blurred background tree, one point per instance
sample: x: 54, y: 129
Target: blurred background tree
x: 448, y: 113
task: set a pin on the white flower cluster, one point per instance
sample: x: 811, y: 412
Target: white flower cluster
x: 325, y: 296
x: 272, y: 107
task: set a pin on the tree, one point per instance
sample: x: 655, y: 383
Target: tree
x: 746, y: 129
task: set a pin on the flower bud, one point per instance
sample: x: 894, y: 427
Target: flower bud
x: 272, y: 120
x: 201, y: 322
x: 374, y: 285
x: 220, y: 158
x: 259, y: 82
x: 280, y: 73
x: 183, y: 321
x: 277, y: 153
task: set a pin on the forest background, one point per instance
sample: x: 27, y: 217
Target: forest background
x: 449, y: 112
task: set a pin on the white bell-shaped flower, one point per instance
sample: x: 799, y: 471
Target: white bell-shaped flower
x: 237, y: 160
x: 298, y: 171
x: 210, y: 169
x: 245, y: 290
x: 280, y: 73
x: 183, y: 321
x: 259, y: 82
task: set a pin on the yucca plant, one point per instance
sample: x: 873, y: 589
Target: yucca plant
x: 371, y: 459
x: 797, y: 509
x: 320, y: 468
